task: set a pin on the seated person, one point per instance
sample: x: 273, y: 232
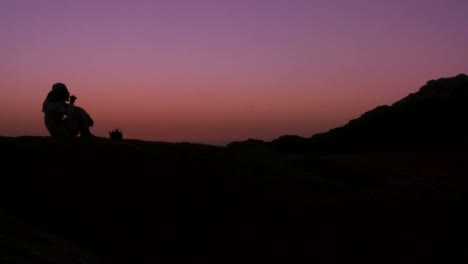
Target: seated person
x: 64, y: 119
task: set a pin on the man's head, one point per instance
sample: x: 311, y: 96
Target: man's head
x: 60, y: 92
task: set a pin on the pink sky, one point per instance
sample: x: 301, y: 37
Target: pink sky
x: 218, y: 71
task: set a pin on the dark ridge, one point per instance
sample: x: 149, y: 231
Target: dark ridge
x: 434, y: 118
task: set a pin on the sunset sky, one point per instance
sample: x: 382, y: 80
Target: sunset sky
x: 216, y: 71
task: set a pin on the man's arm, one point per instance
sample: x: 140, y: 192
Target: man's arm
x: 60, y: 107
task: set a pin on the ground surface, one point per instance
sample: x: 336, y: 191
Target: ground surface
x: 74, y: 201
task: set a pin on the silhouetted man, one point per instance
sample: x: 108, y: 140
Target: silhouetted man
x: 64, y: 119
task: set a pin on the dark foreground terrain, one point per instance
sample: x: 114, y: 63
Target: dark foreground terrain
x: 74, y: 201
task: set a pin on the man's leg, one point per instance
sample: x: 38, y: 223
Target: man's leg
x: 60, y: 128
x: 80, y: 118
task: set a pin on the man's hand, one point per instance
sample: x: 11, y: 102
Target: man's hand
x: 72, y: 99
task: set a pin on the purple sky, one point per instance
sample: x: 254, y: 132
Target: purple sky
x: 217, y: 71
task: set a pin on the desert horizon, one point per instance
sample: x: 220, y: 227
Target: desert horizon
x: 238, y: 138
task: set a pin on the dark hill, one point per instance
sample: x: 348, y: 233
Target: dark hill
x: 132, y: 201
x: 435, y: 117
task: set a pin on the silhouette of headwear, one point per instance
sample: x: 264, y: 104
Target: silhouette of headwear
x: 59, y: 92
x: 59, y: 87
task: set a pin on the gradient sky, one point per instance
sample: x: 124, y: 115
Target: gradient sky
x: 215, y: 71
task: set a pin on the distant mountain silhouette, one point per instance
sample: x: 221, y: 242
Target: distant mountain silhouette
x: 435, y: 117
